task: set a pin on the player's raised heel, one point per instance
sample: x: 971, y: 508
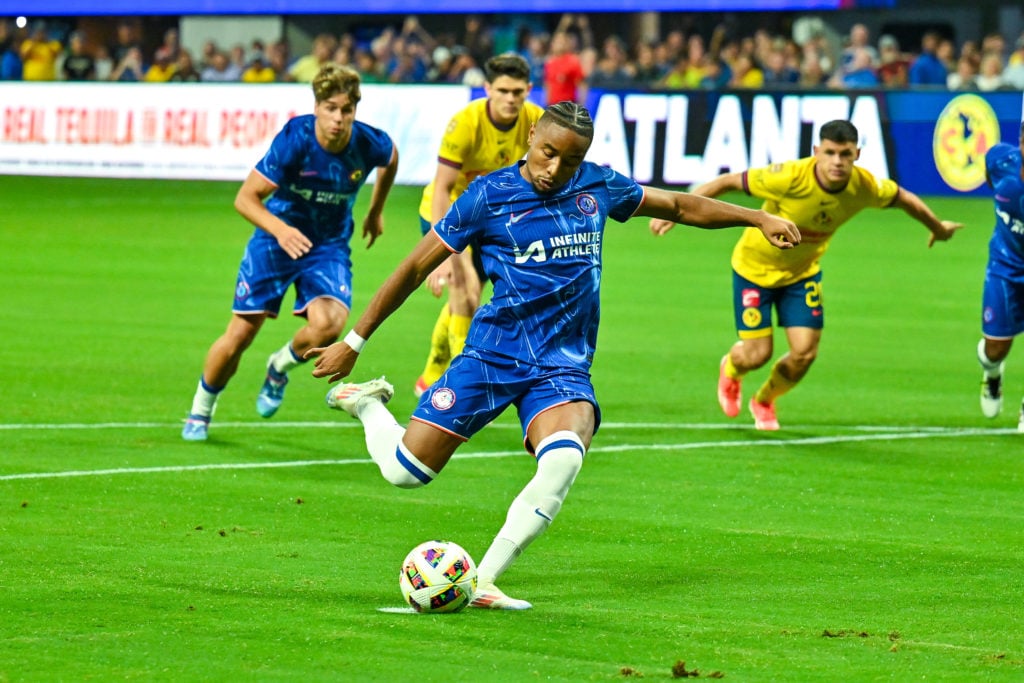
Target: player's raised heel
x: 272, y: 392
x: 489, y: 596
x: 728, y: 391
x: 764, y: 416
x: 349, y: 395
x: 196, y: 427
x: 991, y: 396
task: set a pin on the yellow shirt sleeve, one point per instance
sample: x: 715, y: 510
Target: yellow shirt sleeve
x: 791, y: 190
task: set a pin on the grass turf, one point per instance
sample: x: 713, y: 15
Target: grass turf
x: 877, y: 537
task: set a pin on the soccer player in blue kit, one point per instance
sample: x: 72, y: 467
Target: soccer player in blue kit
x: 300, y: 198
x: 1002, y: 316
x: 539, y: 226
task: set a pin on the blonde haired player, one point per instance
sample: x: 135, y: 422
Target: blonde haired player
x: 818, y: 193
x: 300, y: 198
x: 489, y: 133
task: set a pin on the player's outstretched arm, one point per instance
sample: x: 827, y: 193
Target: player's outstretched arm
x: 704, y: 212
x: 373, y: 224
x: 336, y: 361
x: 713, y: 188
x: 940, y: 230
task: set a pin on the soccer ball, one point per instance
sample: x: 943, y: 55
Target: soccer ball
x: 438, y: 576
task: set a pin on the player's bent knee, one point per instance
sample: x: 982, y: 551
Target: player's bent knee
x: 560, y: 458
x: 405, y: 470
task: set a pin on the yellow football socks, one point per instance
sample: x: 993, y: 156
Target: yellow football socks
x: 440, y: 352
x: 730, y: 370
x: 458, y: 330
x: 776, y: 385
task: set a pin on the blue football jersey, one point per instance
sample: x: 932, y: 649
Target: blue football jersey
x: 1006, y: 248
x: 316, y: 189
x: 1001, y: 160
x: 542, y: 252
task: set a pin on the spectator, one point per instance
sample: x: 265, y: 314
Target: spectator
x: 716, y: 74
x: 777, y: 74
x: 441, y: 60
x: 1017, y: 56
x: 928, y: 70
x: 893, y: 65
x: 695, y: 54
x: 39, y: 55
x: 161, y: 70
x: 238, y: 58
x: 1013, y: 74
x: 206, y: 56
x: 563, y: 72
x: 170, y: 48
x: 78, y: 65
x: 646, y: 69
x: 746, y: 74
x: 675, y: 78
x: 990, y: 75
x: 534, y: 49
x: 965, y: 77
x: 859, y: 39
x: 812, y: 75
x: 130, y: 68
x: 125, y: 39
x: 308, y: 66
x: 994, y: 43
x: 221, y: 70
x: 859, y: 72
x: 369, y: 70
x: 612, y: 70
x: 478, y: 39
x: 185, y: 69
x: 10, y: 60
x: 465, y: 70
x: 946, y: 52
x: 277, y: 59
x: 104, y: 65
x: 258, y: 71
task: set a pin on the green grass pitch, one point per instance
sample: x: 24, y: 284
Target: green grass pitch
x: 878, y: 536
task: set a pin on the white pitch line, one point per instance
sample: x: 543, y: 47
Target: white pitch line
x: 354, y: 424
x: 745, y: 443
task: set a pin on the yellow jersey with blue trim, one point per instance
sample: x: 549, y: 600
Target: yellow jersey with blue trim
x: 475, y: 145
x: 791, y: 190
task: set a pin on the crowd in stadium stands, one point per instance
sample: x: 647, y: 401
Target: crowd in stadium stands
x: 568, y: 58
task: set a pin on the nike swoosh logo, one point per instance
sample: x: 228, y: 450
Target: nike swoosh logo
x: 537, y: 511
x: 515, y: 219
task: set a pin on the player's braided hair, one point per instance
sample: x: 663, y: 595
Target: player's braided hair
x: 333, y: 79
x: 572, y: 116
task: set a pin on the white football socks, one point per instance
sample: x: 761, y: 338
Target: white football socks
x: 992, y: 370
x: 559, y: 459
x: 284, y: 359
x: 384, y: 442
x: 205, y: 400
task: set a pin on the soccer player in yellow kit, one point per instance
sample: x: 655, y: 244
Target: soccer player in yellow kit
x: 818, y: 193
x: 491, y: 132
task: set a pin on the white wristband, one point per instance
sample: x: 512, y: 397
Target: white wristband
x: 355, y: 341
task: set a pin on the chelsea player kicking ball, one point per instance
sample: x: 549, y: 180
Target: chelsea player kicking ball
x: 437, y: 577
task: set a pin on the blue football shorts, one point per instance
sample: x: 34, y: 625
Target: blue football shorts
x: 1002, y: 312
x: 796, y: 305
x: 476, y: 390
x: 267, y: 272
